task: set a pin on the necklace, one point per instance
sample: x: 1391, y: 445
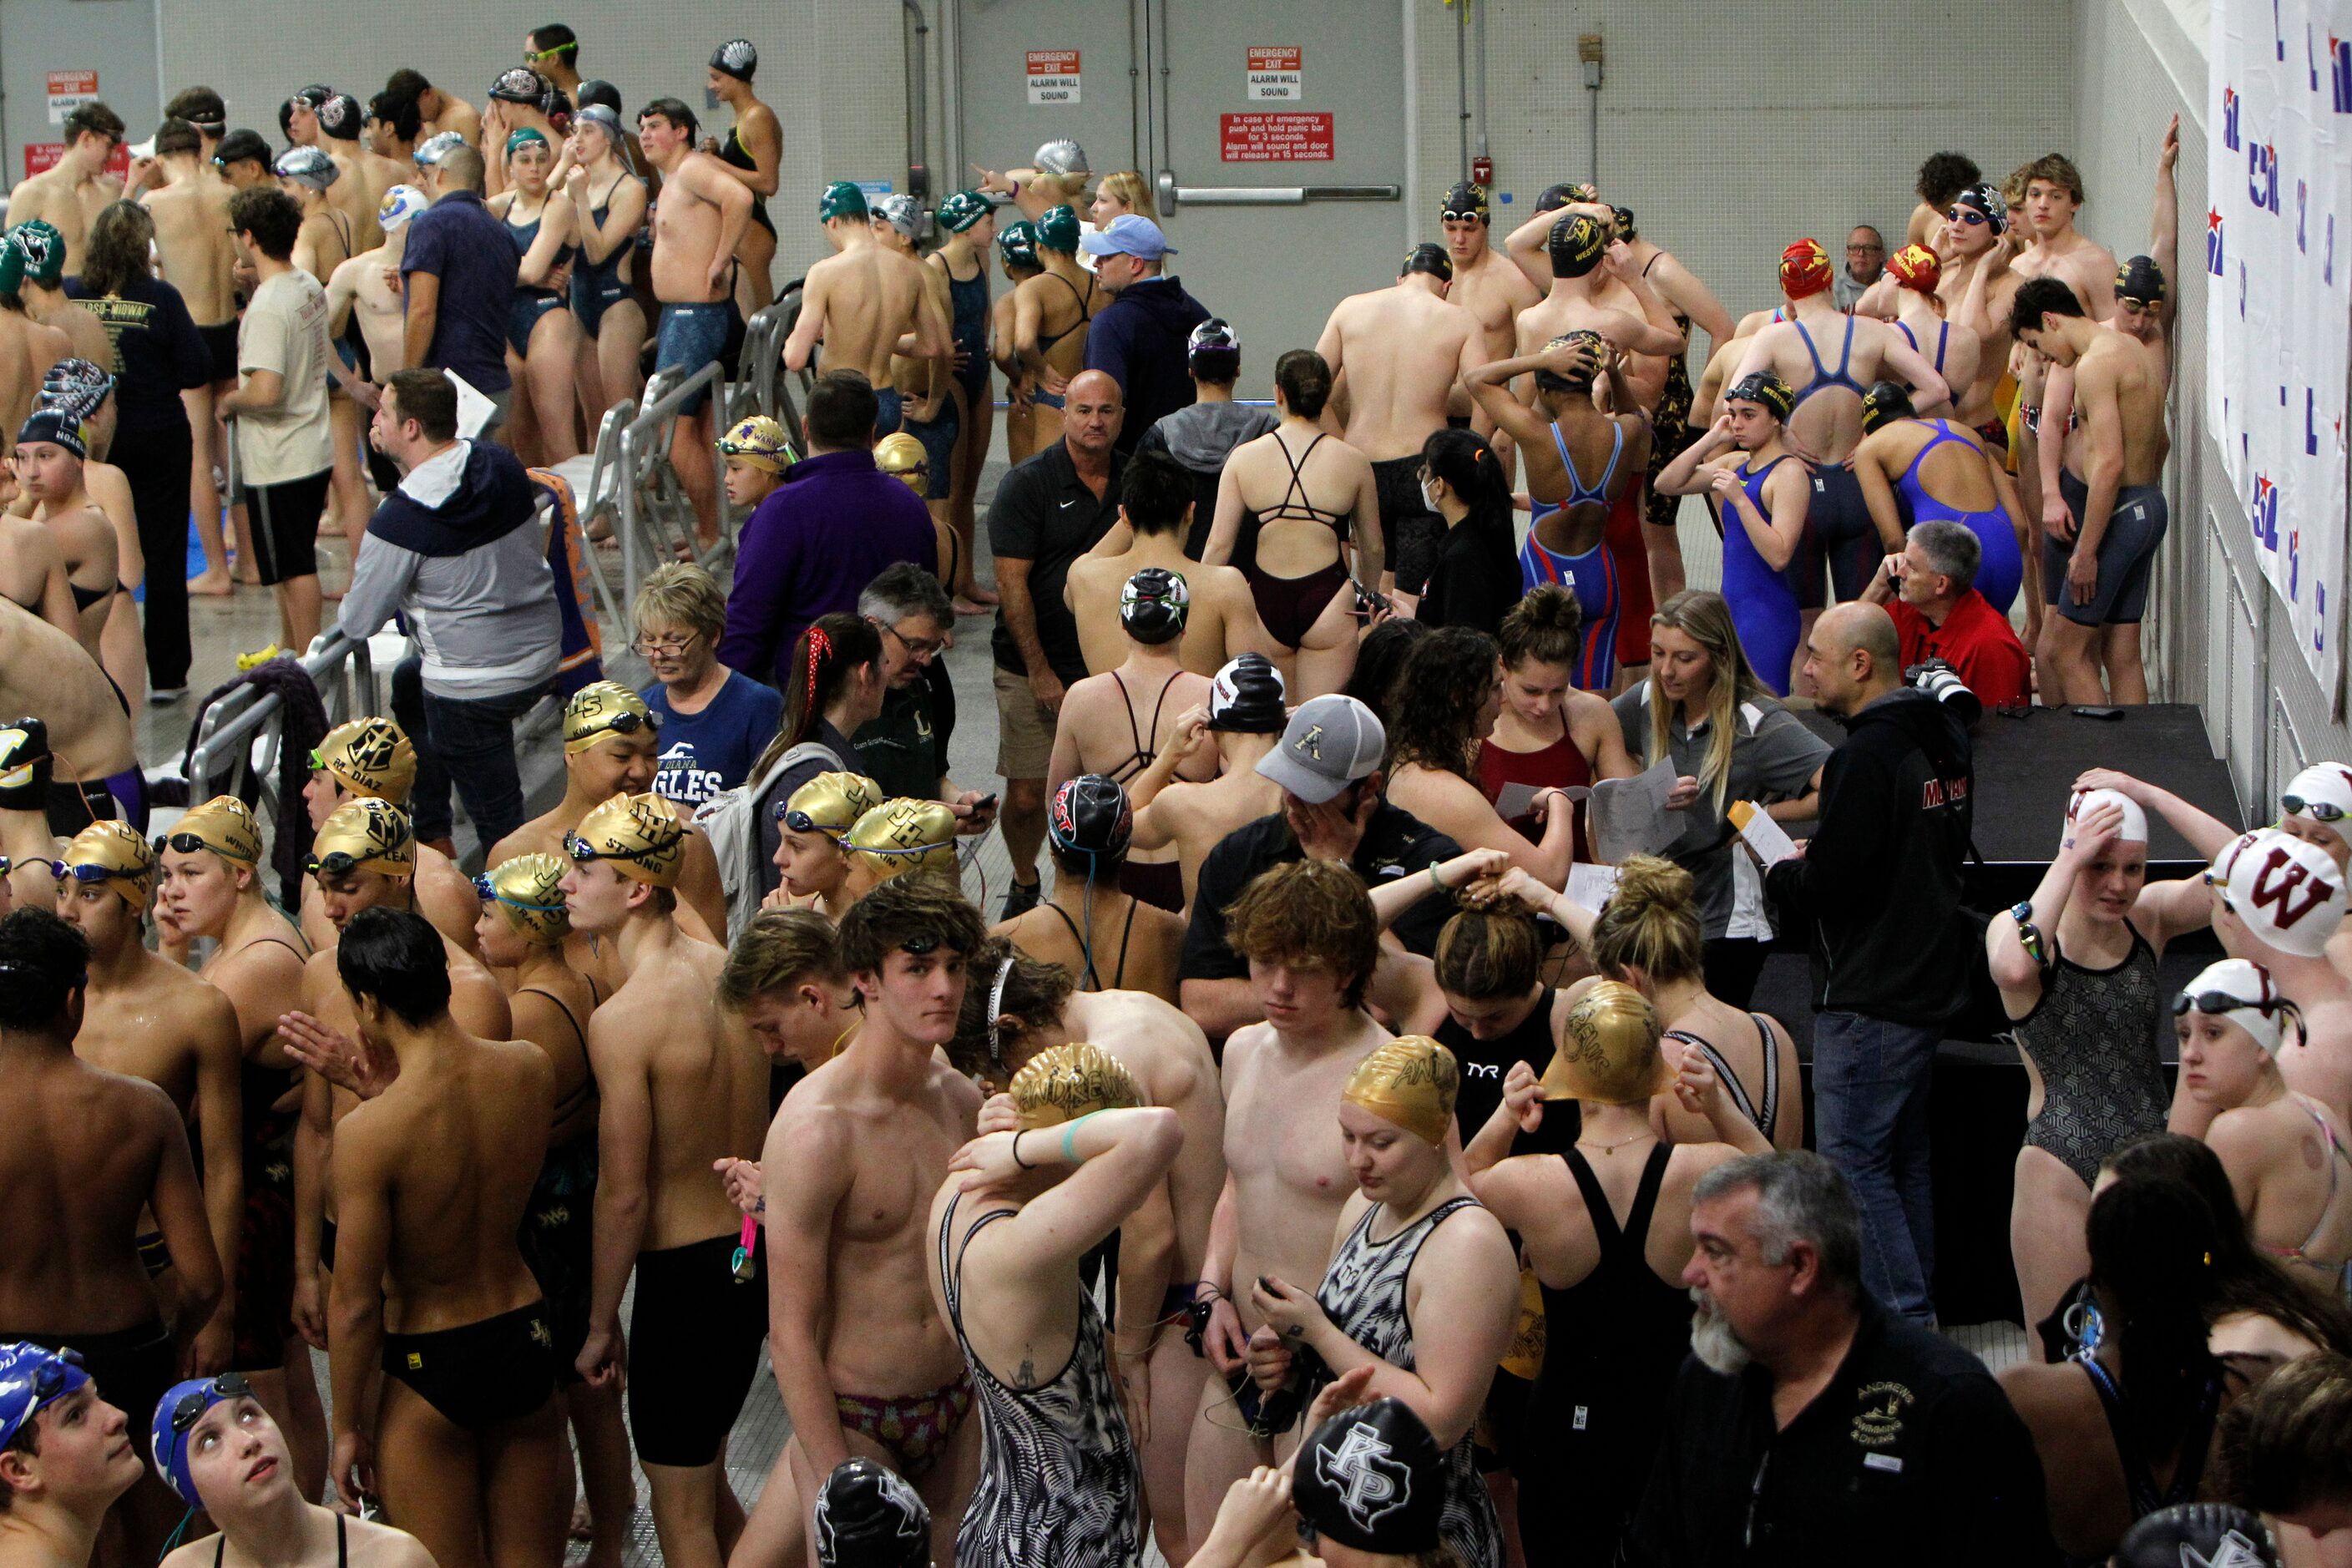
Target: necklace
x: 1607, y: 1149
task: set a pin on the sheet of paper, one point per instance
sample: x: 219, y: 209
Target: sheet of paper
x: 1513, y: 802
x: 1771, y: 842
x: 1591, y: 886
x: 474, y: 409
x: 1630, y: 815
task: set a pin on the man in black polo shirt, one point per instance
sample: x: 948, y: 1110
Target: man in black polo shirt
x: 1047, y: 512
x: 1812, y: 1426
x: 1334, y: 808
x: 457, y: 278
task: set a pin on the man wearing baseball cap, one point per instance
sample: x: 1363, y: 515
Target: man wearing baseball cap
x: 1334, y: 808
x: 1140, y: 338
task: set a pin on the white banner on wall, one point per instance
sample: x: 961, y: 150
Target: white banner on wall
x: 2278, y: 249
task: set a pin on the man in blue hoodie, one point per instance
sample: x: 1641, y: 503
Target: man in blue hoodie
x: 452, y: 551
x: 1140, y: 339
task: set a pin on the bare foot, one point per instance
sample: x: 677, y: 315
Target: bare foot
x: 581, y: 1529
x: 216, y: 584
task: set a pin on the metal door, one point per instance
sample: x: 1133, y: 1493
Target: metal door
x: 1015, y: 91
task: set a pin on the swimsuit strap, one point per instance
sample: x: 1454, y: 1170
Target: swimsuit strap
x: 1646, y: 1198
x: 1943, y: 336
x: 564, y: 1106
x: 1297, y: 485
x: 343, y: 1544
x: 1943, y: 437
x: 1821, y: 371
x: 1731, y: 1084
x: 2336, y: 1154
x: 220, y: 1549
x: 1090, y: 974
x: 1118, y: 975
x: 952, y: 1276
x: 1605, y: 1229
x: 1141, y: 757
x: 281, y: 942
x: 1771, y: 1107
x: 1905, y: 328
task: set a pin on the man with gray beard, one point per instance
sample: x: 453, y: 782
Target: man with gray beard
x: 1810, y: 1425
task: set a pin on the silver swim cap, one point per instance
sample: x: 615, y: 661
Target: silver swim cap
x: 1062, y: 156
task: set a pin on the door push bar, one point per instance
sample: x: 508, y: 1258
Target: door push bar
x: 1172, y: 195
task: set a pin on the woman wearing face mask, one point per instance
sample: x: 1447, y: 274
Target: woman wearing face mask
x: 1474, y: 581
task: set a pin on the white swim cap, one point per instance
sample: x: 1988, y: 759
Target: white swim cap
x: 2084, y: 801
x: 2244, y: 992
x: 2322, y: 792
x: 400, y: 203
x: 2288, y: 894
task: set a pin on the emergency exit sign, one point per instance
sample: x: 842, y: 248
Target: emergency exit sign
x: 1273, y: 72
x: 1274, y: 138
x: 1053, y: 76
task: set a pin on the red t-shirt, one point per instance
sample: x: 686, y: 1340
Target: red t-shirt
x: 1974, y: 640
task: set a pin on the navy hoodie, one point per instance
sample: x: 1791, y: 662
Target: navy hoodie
x: 1140, y: 339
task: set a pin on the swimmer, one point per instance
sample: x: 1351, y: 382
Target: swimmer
x: 967, y: 227
x: 1487, y: 283
x: 1914, y: 471
x: 1976, y: 283
x: 1398, y: 352
x: 861, y: 301
x: 1693, y: 304
x: 1765, y: 497
x: 1942, y: 177
x: 681, y: 1087
x: 437, y: 110
x: 374, y: 758
x: 783, y: 979
x: 1242, y: 721
x: 65, y: 1455
x: 865, y: 1365
x: 366, y: 173
x: 1201, y: 436
x: 1094, y: 925
x: 30, y: 845
x: 243, y: 159
x: 543, y: 337
x: 78, y: 389
x: 432, y: 1177
x: 1590, y: 281
x: 1016, y: 251
x: 1906, y: 294
x: 752, y: 153
x: 609, y: 199
x: 812, y: 860
x: 327, y: 237
x: 520, y: 99
x: 391, y: 130
x: 195, y: 255
x: 70, y: 193
x: 361, y: 297
x: 44, y: 292
x: 1057, y: 178
x: 1051, y: 312
x: 901, y: 838
x: 2286, y: 931
x: 1060, y: 1479
x: 2053, y: 195
x: 44, y: 671
x: 925, y: 383
x: 28, y: 349
x: 47, y: 461
x: 1156, y: 504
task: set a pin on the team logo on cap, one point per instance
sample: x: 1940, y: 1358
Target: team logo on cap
x: 1311, y: 744
x: 738, y: 56
x: 2277, y: 881
x: 1364, y: 1472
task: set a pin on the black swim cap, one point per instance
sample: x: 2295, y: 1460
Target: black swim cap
x: 1552, y: 381
x: 1246, y: 697
x: 240, y: 146
x: 736, y: 57
x: 1625, y: 230
x: 1765, y: 388
x: 1578, y: 244
x: 1430, y: 258
x: 596, y: 89
x: 2208, y: 1532
x: 1090, y: 817
x: 2140, y: 280
x: 1372, y: 1479
x: 1153, y: 605
x: 520, y: 84
x: 1885, y: 401
x: 1467, y: 199
x: 868, y: 1518
x: 1554, y: 198
x: 339, y: 117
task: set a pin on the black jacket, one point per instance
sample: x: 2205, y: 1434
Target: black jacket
x: 1881, y: 879
x: 1139, y: 338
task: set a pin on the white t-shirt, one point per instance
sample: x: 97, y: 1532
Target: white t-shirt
x: 284, y: 329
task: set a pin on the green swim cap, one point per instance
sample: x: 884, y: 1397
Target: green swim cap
x: 1016, y: 246
x: 962, y: 209
x: 11, y: 267
x: 43, y: 249
x: 841, y: 199
x: 523, y: 136
x: 1058, y: 230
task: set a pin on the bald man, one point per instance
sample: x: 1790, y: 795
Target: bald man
x: 1889, y: 966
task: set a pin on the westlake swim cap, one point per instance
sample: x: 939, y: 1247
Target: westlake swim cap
x: 1578, y: 243
x: 1805, y: 269
x: 901, y: 212
x: 842, y: 199
x: 222, y: 825
x: 1428, y: 258
x: 339, y: 117
x: 1765, y: 387
x: 2197, y: 1535
x: 44, y: 251
x: 523, y: 136
x: 760, y: 442
x: 1580, y: 380
x: 1624, y: 217
x: 55, y: 426
x: 529, y: 891
x: 2322, y: 792
x: 903, y: 457
x: 604, y: 707
x: 432, y: 149
x: 1608, y: 1050
x: 307, y: 167
x: 1016, y: 246
x: 1153, y: 605
x: 1372, y: 1479
x: 1061, y: 156
x: 1885, y: 401
x: 902, y: 835
x: 520, y: 84
x: 1465, y: 200
x: 1058, y: 230
x: 2288, y: 892
x: 1987, y: 199
x: 115, y: 854
x: 961, y: 209
x: 736, y: 57
x: 2084, y: 801
x: 866, y: 1516
x: 638, y: 834
x: 78, y: 387
x: 371, y: 756
x: 26, y: 763
x: 2141, y: 280
x: 32, y: 1376
x: 400, y: 203
x: 1090, y: 816
x: 1069, y: 1081
x: 1552, y: 198
x: 1245, y: 698
x: 829, y: 803
x: 2244, y: 992
x: 363, y: 834
x: 1411, y: 1081
x: 1916, y: 267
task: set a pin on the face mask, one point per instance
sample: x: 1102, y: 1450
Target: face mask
x: 1428, y: 495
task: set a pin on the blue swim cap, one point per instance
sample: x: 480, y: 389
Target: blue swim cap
x: 31, y: 1376
x: 176, y: 1414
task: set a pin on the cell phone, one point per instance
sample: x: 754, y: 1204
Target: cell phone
x: 985, y: 803
x: 2100, y: 712
x: 1266, y: 1285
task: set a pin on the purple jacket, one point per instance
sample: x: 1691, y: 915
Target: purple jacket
x: 809, y: 548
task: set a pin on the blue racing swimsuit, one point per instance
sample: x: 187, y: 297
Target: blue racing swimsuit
x: 2002, y: 571
x: 1763, y: 601
x: 1591, y: 577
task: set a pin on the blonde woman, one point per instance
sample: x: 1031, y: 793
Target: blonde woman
x: 1119, y: 194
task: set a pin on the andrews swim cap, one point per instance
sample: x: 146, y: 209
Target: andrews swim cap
x: 1578, y: 244
x: 55, y: 426
x: 307, y: 167
x: 529, y: 891
x: 1805, y: 269
x: 638, y: 834
x: 866, y: 1516
x: 1765, y: 387
x: 1430, y: 258
x: 24, y: 766
x: 372, y: 756
x: 1061, y: 156
x: 1411, y: 1081
x: 2141, y: 280
x: 1069, y: 1081
x: 842, y: 199
x: 760, y: 442
x: 222, y: 825
x: 903, y: 457
x: 829, y: 803
x: 961, y: 209
x: 1464, y: 199
x: 113, y: 853
x: 1153, y: 604
x: 363, y: 834
x: 44, y: 251
x: 1372, y: 1479
x: 1915, y: 267
x: 1885, y: 401
x: 400, y: 203
x: 736, y: 57
x: 604, y: 707
x: 1245, y: 698
x: 902, y: 835
x: 1016, y: 246
x: 2213, y: 1534
x: 1608, y: 1050
x: 1058, y: 230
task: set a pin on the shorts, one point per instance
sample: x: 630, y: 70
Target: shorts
x: 483, y: 1374
x: 889, y: 410
x: 1024, y: 727
x: 559, y: 1245
x: 939, y: 439
x: 691, y: 336
x: 265, y: 1263
x: 220, y: 343
x: 2126, y: 555
x: 1289, y: 606
x: 523, y: 314
x: 914, y: 1429
x: 132, y: 1367
x: 1410, y: 531
x: 1840, y: 535
x: 286, y: 526
x: 694, y: 1346
x: 590, y: 300
x: 1159, y: 883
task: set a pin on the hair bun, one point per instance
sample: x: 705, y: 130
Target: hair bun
x: 1656, y: 882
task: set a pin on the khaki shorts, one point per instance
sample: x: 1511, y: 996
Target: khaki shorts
x: 1024, y: 729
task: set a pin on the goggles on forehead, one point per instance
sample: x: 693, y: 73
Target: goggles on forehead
x: 2317, y: 810
x: 802, y: 822
x: 2215, y: 1003
x: 196, y: 1401
x: 333, y: 863
x: 189, y: 843
x: 627, y: 722
x: 487, y: 893
x: 581, y: 850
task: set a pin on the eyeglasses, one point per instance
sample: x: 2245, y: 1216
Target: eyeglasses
x: 1968, y: 216
x: 2317, y: 810
x: 196, y: 1401
x: 646, y: 648
x: 582, y: 851
x: 189, y: 843
x: 1863, y: 249
x: 916, y: 647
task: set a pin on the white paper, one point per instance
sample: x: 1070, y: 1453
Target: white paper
x: 1766, y: 838
x: 1591, y: 886
x: 474, y: 407
x: 1630, y: 815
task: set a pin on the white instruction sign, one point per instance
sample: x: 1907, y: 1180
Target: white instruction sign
x: 1274, y: 73
x: 1053, y: 76
x: 67, y: 89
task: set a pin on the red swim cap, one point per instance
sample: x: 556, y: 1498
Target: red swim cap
x: 1804, y: 270
x: 1915, y: 267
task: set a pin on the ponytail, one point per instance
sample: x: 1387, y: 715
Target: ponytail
x: 833, y: 647
x: 1467, y: 465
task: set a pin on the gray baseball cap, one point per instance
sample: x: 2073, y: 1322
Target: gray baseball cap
x: 1330, y: 742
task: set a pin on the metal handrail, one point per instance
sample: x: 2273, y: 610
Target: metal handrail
x: 607, y: 478
x: 234, y: 731
x: 655, y: 512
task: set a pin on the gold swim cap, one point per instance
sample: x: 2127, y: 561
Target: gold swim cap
x: 901, y: 456
x: 529, y: 891
x: 222, y: 825
x: 760, y: 442
x: 1411, y: 1081
x: 830, y: 803
x: 604, y: 707
x: 113, y: 853
x: 1070, y: 1081
x: 1608, y: 1051
x: 363, y: 834
x: 371, y: 757
x: 902, y: 835
x: 638, y: 834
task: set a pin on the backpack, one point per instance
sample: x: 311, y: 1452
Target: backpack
x: 734, y: 832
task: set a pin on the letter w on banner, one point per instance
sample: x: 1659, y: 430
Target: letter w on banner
x: 2278, y: 243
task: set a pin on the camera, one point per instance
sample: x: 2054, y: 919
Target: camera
x: 1942, y: 682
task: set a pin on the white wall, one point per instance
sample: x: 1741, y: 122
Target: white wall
x: 115, y: 38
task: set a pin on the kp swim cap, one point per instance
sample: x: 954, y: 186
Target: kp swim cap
x: 523, y: 136
x: 961, y: 209
x: 736, y: 57
x: 339, y: 117
x: 866, y: 1516
x: 222, y: 825
x: 1464, y: 199
x: 638, y: 834
x: 1885, y: 401
x: 903, y: 457
x: 1372, y: 1479
x: 400, y: 203
x: 902, y: 835
x: 2244, y: 992
x: 1608, y: 1050
x: 1016, y: 246
x: 1986, y: 199
x: 1153, y: 604
x: 1578, y: 243
x: 1245, y: 698
x: 1915, y: 267
x: 1090, y: 816
x: 2288, y: 892
x: 842, y: 199
x: 372, y: 756
x: 1070, y: 1081
x: 433, y: 149
x: 55, y: 426
x: 1058, y: 230
x: 1214, y: 334
x: 1061, y: 156
x: 31, y: 1376
x: 520, y: 84
x: 113, y: 853
x: 75, y: 386
x: 2322, y: 792
x: 44, y: 251
x: 901, y: 212
x: 1805, y: 269
x: 1430, y: 258
x: 604, y: 707
x: 1624, y: 217
x: 528, y: 891
x: 2081, y: 803
x: 307, y: 167
x: 830, y: 803
x: 1765, y: 387
x: 2141, y: 280
x: 760, y: 442
x: 363, y: 834
x: 2203, y: 1534
x: 1575, y: 381
x: 24, y: 766
x: 1411, y: 1081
